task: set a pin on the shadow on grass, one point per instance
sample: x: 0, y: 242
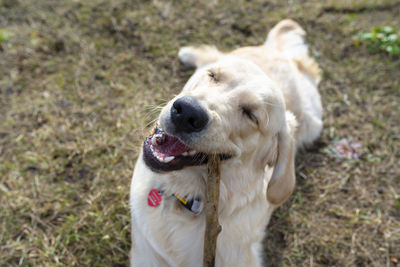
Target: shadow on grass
x: 277, y: 245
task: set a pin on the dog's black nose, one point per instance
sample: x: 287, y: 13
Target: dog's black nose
x: 188, y: 115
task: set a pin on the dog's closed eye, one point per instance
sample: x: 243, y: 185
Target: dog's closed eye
x: 213, y: 75
x: 248, y: 112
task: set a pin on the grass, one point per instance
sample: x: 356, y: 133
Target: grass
x: 80, y: 82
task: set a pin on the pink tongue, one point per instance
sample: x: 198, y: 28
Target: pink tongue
x: 172, y: 147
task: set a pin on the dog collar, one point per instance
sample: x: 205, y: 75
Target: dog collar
x: 193, y: 205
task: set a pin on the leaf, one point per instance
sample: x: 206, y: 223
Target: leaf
x: 396, y: 50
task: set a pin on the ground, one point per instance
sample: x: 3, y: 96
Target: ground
x: 81, y: 82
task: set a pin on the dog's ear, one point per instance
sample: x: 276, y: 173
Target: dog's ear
x: 283, y: 178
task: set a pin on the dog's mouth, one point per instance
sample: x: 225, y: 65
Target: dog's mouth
x: 163, y: 152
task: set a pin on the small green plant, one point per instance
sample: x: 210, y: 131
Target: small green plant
x: 4, y: 35
x: 381, y: 38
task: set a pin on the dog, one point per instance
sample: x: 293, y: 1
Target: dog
x: 254, y: 107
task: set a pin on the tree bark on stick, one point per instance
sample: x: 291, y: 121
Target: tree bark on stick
x: 211, y: 210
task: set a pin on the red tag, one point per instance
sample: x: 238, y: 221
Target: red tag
x: 154, y: 198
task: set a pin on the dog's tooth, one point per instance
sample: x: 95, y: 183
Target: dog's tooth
x: 192, y: 152
x: 155, y: 154
x: 168, y: 159
x: 160, y: 138
x: 185, y: 154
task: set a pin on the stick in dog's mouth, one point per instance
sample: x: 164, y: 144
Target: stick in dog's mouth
x: 163, y: 152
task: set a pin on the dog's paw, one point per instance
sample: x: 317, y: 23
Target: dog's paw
x: 187, y: 56
x: 198, y: 56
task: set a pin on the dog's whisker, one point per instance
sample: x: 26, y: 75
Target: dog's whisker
x: 203, y: 157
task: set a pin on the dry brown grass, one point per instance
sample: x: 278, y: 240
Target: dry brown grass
x: 81, y: 80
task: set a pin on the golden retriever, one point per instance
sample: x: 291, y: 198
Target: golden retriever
x: 254, y: 107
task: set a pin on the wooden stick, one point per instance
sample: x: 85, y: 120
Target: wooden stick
x: 211, y: 209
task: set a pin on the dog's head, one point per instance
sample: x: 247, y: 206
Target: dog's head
x: 231, y: 108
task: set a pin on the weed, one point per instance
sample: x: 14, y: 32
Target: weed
x: 5, y: 35
x: 382, y: 39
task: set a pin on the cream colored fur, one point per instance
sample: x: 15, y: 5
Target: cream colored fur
x: 278, y: 81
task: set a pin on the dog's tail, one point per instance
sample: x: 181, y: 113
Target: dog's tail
x: 288, y: 38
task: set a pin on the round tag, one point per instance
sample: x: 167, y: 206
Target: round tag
x: 154, y: 198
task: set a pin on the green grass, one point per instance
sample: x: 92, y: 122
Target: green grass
x: 80, y: 83
x: 5, y: 35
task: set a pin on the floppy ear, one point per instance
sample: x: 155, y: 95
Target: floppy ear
x: 283, y: 178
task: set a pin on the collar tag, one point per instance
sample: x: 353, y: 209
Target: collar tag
x: 155, y: 197
x: 193, y: 205
x: 196, y: 206
x: 181, y: 199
